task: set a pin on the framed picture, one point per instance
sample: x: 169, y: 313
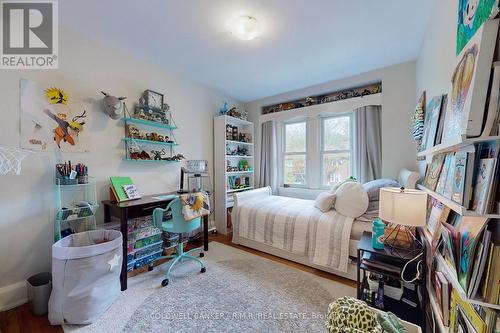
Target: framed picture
x: 469, y: 85
x: 432, y: 114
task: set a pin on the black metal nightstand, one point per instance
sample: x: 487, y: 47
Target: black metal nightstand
x: 380, y: 258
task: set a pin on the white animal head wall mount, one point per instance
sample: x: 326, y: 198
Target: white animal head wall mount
x: 113, y: 106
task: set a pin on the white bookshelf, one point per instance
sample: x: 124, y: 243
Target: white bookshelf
x: 224, y: 154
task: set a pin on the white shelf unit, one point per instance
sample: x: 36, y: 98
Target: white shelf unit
x: 226, y: 153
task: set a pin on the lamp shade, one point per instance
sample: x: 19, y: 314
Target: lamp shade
x: 403, y: 206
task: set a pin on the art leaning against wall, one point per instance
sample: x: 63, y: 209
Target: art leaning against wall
x: 51, y: 119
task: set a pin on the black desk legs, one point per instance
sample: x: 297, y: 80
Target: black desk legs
x: 124, y: 230
x: 205, y: 233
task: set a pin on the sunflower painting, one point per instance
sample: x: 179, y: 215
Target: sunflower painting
x: 471, y: 15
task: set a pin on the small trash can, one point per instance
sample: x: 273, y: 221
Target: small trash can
x: 39, y: 288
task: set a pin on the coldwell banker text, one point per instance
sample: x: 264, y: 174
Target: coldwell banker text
x: 29, y: 34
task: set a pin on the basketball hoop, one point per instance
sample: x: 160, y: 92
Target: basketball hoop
x: 10, y: 160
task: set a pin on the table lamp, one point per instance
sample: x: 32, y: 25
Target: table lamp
x: 404, y: 210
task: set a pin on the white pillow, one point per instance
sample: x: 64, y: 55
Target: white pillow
x: 324, y: 201
x: 352, y: 200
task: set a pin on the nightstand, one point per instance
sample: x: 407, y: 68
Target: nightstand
x: 388, y: 265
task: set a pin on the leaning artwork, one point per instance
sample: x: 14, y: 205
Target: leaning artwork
x: 471, y: 15
x: 50, y: 119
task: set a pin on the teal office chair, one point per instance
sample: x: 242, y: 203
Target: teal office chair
x: 176, y: 225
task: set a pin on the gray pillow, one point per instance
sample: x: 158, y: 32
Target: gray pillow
x: 373, y: 187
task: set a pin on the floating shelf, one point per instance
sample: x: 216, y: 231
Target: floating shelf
x: 148, y: 123
x: 459, y: 209
x: 455, y: 145
x: 239, y: 142
x: 230, y: 173
x: 150, y: 142
x: 157, y: 161
x: 451, y: 276
x: 239, y: 189
x: 239, y: 156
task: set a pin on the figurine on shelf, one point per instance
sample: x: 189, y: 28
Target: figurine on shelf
x: 223, y: 109
x: 234, y: 113
x: 133, y: 132
x: 157, y: 154
x: 177, y: 157
x: 245, y: 137
x: 144, y: 155
x: 242, y: 151
x: 133, y: 153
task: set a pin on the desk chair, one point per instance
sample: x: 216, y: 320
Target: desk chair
x: 176, y: 225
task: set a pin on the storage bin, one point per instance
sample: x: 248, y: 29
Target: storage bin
x: 146, y: 260
x: 146, y: 232
x: 147, y: 241
x: 86, y: 276
x: 147, y: 250
x: 130, y: 266
x: 39, y: 288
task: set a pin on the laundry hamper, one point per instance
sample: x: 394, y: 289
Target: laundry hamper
x: 85, y: 276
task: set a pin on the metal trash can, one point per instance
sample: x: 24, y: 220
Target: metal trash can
x: 39, y: 289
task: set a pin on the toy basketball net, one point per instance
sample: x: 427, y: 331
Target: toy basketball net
x: 10, y: 160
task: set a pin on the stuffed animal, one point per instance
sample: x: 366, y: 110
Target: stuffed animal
x: 113, y: 106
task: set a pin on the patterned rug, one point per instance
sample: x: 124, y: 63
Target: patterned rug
x: 240, y: 292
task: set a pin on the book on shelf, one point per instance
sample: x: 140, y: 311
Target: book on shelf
x: 443, y: 295
x: 460, y: 311
x: 443, y: 177
x: 458, y: 179
x: 439, y: 134
x: 481, y: 257
x: 490, y: 287
x: 432, y: 115
x: 484, y: 185
x: 470, y: 228
x: 433, y: 172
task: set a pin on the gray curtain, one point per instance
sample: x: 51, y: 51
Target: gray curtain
x: 268, y: 156
x: 368, y: 143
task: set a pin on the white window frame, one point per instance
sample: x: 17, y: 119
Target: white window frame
x: 351, y: 151
x: 284, y: 154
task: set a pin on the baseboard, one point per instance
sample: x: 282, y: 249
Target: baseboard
x: 13, y: 295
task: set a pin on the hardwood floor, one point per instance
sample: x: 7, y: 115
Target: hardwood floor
x: 21, y: 320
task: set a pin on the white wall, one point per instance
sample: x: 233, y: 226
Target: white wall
x: 86, y: 68
x: 398, y: 104
x: 436, y: 61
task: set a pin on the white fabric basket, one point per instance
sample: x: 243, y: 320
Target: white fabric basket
x: 85, y: 276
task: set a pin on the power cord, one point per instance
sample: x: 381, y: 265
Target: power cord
x: 419, y: 269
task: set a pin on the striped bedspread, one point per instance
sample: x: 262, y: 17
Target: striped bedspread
x: 295, y: 225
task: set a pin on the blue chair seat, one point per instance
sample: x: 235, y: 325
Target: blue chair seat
x: 177, y: 225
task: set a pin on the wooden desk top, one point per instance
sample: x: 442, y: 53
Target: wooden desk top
x: 145, y: 200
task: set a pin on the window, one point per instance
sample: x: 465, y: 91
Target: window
x: 336, y: 149
x: 294, y: 153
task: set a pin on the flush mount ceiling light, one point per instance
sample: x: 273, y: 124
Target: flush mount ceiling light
x: 245, y: 28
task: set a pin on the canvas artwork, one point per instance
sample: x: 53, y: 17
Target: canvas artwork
x: 471, y: 15
x: 470, y: 79
x: 441, y: 184
x: 50, y: 119
x: 432, y: 113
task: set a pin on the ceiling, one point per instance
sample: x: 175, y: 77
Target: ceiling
x: 304, y: 42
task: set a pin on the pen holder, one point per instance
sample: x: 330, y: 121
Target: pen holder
x: 83, y: 179
x: 61, y: 180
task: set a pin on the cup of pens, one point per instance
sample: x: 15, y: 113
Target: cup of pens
x: 82, y: 173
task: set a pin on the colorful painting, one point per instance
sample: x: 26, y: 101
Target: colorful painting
x: 483, y: 184
x: 471, y: 15
x: 458, y: 179
x: 50, y: 120
x: 433, y: 171
x: 469, y: 85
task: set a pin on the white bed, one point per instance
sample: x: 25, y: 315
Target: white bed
x: 294, y: 229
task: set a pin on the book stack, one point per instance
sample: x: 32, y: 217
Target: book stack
x: 468, y: 177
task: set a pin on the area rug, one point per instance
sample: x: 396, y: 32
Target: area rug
x: 240, y: 292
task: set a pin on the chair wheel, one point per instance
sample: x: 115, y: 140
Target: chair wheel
x: 164, y: 283
x: 202, y: 254
x: 203, y: 269
x: 150, y: 268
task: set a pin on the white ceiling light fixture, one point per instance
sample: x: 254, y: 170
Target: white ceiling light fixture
x: 245, y: 28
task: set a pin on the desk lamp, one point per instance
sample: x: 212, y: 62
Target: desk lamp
x: 404, y: 210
